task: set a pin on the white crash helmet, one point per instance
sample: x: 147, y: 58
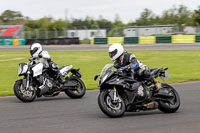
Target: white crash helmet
x: 115, y: 51
x: 35, y: 49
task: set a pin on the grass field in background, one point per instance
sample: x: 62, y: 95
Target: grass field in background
x: 183, y: 65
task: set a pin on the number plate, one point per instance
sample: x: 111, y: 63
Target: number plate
x: 165, y: 76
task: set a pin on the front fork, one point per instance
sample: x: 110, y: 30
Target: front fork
x: 114, y: 96
x: 27, y: 80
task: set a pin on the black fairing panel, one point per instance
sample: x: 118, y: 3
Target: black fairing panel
x: 116, y: 82
x: 120, y: 84
x: 121, y: 81
x: 130, y: 96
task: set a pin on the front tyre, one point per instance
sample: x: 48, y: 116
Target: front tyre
x: 173, y: 104
x: 79, y: 91
x: 22, y: 94
x: 110, y: 108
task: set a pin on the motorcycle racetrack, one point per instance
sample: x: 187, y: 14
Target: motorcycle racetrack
x: 62, y: 114
x: 162, y: 47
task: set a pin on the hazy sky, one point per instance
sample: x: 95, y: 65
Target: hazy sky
x: 127, y: 9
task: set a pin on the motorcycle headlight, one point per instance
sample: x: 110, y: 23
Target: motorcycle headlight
x: 19, y: 70
x: 23, y: 67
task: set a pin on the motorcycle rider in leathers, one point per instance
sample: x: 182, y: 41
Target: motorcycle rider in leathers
x: 127, y: 63
x: 41, y: 56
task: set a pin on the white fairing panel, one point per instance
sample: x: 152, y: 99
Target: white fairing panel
x: 37, y: 69
x: 65, y: 69
x: 22, y: 70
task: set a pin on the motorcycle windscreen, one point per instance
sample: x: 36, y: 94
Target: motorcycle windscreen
x: 165, y: 77
x: 37, y: 69
x: 105, y: 68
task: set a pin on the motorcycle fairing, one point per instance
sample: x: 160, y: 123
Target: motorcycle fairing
x: 37, y: 69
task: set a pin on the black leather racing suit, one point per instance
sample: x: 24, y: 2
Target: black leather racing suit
x: 128, y: 61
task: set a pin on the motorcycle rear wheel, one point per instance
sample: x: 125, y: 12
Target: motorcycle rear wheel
x: 173, y: 105
x: 113, y: 110
x: 76, y: 93
x: 18, y: 87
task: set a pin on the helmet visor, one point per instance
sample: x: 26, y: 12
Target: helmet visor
x: 33, y: 51
x: 113, y: 53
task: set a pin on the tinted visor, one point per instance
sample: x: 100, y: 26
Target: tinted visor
x: 113, y: 53
x: 33, y: 51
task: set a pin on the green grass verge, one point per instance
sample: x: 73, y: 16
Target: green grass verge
x: 183, y: 65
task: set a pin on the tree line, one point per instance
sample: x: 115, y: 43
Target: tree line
x: 180, y: 16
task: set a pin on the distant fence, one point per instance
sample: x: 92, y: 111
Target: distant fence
x: 148, y: 39
x: 52, y: 41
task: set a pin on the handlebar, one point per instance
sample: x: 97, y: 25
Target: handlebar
x: 31, y: 60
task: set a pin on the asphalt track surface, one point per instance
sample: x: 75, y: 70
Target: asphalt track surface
x: 137, y: 47
x: 64, y: 115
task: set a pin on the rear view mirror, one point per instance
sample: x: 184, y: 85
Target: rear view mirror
x: 166, y: 69
x: 95, y: 77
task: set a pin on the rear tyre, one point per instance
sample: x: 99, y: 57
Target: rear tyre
x: 22, y: 94
x: 79, y: 91
x: 174, y: 103
x: 113, y: 110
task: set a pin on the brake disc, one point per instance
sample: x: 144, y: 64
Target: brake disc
x: 114, y: 106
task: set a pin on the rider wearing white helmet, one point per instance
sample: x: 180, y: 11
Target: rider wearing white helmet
x: 41, y: 56
x: 127, y: 61
x: 35, y: 49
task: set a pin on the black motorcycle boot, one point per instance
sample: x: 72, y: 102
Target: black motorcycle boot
x: 157, y: 84
x: 151, y: 105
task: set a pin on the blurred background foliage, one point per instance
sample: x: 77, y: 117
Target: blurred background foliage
x: 180, y: 16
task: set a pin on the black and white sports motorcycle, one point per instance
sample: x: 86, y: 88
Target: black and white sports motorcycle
x: 27, y: 89
x: 120, y: 94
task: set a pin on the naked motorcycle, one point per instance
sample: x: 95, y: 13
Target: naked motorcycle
x: 120, y: 93
x: 27, y: 88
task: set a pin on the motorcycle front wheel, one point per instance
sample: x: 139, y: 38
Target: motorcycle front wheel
x: 22, y: 94
x: 79, y: 91
x: 110, y: 108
